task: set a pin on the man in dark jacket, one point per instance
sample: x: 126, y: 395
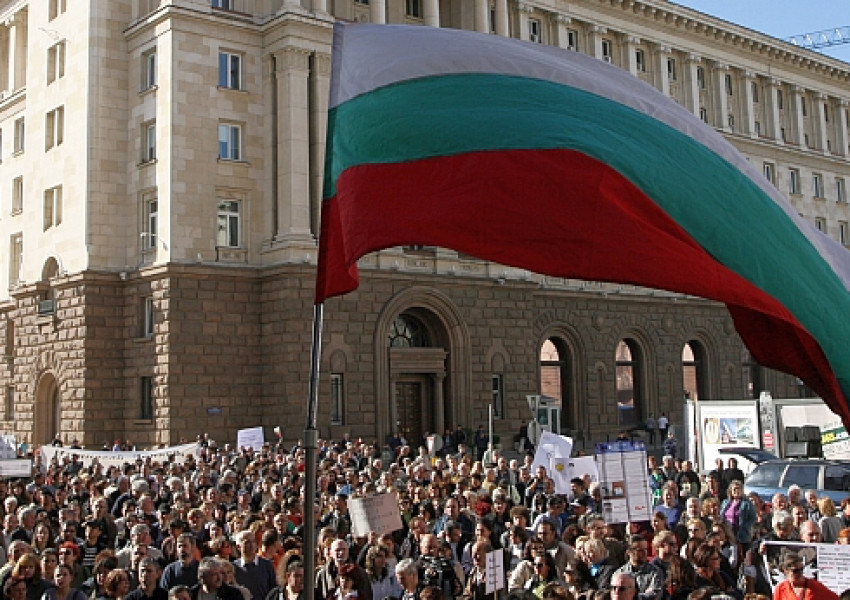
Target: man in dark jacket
x: 211, y: 582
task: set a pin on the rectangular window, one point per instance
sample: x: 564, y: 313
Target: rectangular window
x: 803, y: 106
x: 17, y: 195
x: 19, y: 135
x: 842, y: 233
x: 793, y: 181
x: 780, y: 100
x: 54, y: 127
x: 572, y: 39
x: 228, y: 223
x: 701, y: 78
x: 820, y: 223
x: 149, y: 141
x: 10, y: 403
x: 730, y: 120
x: 671, y: 69
x: 640, y: 60
x: 151, y: 208
x: 147, y: 316
x: 146, y: 398
x: 755, y: 91
x: 230, y: 70
x: 769, y: 172
x: 607, y: 51
x: 757, y: 126
x: 55, y: 62
x: 55, y: 8
x: 817, y: 185
x: 225, y: 4
x: 840, y: 191
x: 534, y: 34
x: 498, y: 396
x: 337, y: 399
x: 782, y: 133
x: 826, y: 112
x: 413, y: 8
x: 52, y: 207
x: 703, y: 115
x: 16, y: 257
x: 728, y: 81
x: 149, y: 69
x: 229, y: 142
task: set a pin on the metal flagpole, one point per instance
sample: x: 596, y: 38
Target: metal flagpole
x: 311, y: 446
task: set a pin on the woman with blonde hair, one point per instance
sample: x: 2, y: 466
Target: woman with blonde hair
x: 830, y: 523
x: 28, y: 568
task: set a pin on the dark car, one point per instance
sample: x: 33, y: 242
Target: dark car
x: 827, y: 478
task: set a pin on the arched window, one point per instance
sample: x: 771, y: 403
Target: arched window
x: 555, y: 377
x: 629, y: 372
x: 408, y: 332
x: 693, y: 370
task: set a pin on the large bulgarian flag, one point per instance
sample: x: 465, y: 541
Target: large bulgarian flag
x: 559, y: 163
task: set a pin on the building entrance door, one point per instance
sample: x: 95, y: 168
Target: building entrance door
x: 410, y: 410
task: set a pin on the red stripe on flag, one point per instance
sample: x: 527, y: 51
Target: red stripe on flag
x: 559, y: 213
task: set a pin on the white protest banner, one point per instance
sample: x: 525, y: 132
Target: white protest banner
x: 559, y: 472
x: 374, y: 513
x: 8, y: 446
x: 16, y: 467
x: 584, y: 465
x: 252, y: 437
x: 551, y: 445
x: 494, y: 572
x: 118, y: 459
x: 832, y: 566
x: 625, y: 487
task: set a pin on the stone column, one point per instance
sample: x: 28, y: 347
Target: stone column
x: 320, y: 6
x: 562, y: 33
x: 293, y: 139
x: 378, y: 11
x: 796, y: 100
x: 721, y: 100
x: 774, y: 125
x: 319, y: 86
x: 841, y: 142
x: 431, y: 13
x: 439, y: 404
x: 501, y: 18
x: 748, y: 117
x: 594, y: 35
x: 630, y: 44
x: 662, y: 78
x: 482, y: 16
x: 692, y: 83
x: 819, y: 118
x: 12, y: 54
x: 524, y: 10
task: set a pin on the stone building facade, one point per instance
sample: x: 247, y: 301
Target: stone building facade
x: 160, y: 174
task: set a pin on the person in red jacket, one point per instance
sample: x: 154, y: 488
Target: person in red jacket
x: 797, y: 586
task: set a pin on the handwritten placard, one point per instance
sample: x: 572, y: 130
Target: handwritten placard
x: 494, y: 572
x: 374, y: 513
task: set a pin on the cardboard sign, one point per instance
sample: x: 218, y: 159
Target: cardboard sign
x: 374, y: 513
x: 252, y: 437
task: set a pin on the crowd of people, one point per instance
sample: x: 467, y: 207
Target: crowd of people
x: 227, y: 523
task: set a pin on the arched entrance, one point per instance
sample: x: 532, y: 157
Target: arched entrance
x: 422, y: 375
x: 47, y: 414
x: 417, y: 375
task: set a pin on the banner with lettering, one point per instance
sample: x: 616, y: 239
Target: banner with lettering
x: 117, y: 459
